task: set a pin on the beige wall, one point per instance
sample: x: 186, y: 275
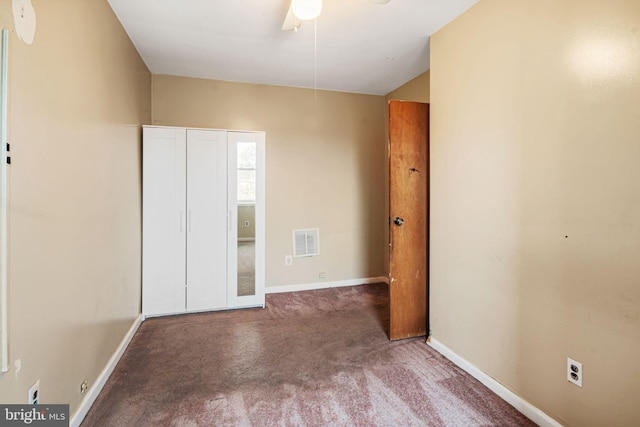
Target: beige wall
x: 535, y: 200
x: 416, y: 90
x: 325, y: 167
x: 77, y: 98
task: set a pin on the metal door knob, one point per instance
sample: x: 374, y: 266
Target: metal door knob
x: 398, y: 221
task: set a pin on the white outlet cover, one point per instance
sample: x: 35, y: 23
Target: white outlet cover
x: 579, y: 373
x: 34, y: 394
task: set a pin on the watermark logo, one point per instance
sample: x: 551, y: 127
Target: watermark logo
x: 34, y: 415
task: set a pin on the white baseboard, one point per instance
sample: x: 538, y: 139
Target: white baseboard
x: 97, y: 386
x: 324, y: 285
x: 524, y: 407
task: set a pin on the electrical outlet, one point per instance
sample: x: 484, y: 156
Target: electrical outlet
x: 84, y: 386
x: 321, y: 275
x: 574, y: 372
x: 246, y: 223
x: 288, y: 260
x: 34, y: 394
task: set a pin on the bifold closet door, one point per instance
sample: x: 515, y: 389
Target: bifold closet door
x: 163, y: 221
x: 207, y: 219
x: 246, y: 154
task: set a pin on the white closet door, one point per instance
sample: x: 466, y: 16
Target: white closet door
x: 163, y: 220
x: 206, y: 219
x: 257, y: 298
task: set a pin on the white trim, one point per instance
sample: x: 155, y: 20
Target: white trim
x: 246, y: 239
x: 4, y: 322
x: 99, y: 383
x: 324, y: 285
x: 525, y: 408
x: 197, y: 128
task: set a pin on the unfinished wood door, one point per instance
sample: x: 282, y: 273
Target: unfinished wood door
x: 408, y: 224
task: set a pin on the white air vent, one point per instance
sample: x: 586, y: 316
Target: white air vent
x: 306, y: 242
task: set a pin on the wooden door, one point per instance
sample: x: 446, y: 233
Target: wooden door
x: 408, y: 210
x: 207, y: 220
x: 163, y: 221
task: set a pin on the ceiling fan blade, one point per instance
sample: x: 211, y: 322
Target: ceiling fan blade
x: 291, y: 23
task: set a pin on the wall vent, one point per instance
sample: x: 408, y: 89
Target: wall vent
x: 306, y: 242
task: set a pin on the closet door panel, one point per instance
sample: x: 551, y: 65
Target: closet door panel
x: 206, y: 220
x: 163, y: 219
x: 239, y: 162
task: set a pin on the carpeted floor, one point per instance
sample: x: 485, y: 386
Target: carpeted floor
x: 246, y: 268
x: 310, y: 358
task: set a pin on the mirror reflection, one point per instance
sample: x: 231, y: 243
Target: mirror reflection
x: 246, y: 175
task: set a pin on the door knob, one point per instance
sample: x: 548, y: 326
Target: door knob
x: 398, y: 221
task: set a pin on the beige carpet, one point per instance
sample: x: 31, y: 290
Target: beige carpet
x: 309, y: 359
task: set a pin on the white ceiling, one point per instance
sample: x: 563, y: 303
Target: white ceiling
x: 363, y: 46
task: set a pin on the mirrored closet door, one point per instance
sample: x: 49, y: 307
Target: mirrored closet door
x: 247, y: 226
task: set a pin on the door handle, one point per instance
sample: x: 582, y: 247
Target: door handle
x: 398, y: 221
